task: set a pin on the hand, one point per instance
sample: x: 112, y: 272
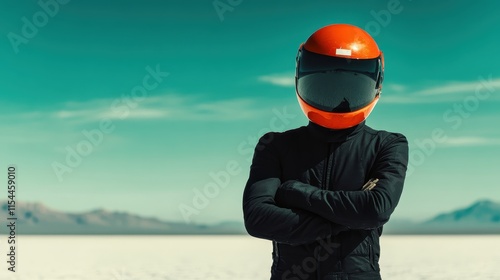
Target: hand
x: 369, y: 185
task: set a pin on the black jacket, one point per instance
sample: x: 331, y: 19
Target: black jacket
x: 304, y: 193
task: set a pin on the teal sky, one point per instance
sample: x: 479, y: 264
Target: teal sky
x: 228, y: 75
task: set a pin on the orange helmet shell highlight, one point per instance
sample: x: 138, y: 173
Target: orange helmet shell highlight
x: 332, y: 38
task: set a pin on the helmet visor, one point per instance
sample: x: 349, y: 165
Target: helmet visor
x: 336, y: 84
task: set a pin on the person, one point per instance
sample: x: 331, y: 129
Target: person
x: 323, y: 192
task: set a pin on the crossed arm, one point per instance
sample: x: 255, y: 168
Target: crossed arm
x: 356, y: 209
x: 296, y: 213
x: 264, y: 218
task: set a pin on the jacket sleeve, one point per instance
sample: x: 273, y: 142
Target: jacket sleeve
x: 263, y: 218
x: 356, y: 209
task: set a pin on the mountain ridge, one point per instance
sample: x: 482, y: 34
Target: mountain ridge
x: 37, y: 218
x: 481, y: 217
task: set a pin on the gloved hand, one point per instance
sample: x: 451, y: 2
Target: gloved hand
x: 369, y: 185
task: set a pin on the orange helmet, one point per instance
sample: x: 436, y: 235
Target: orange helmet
x: 339, y: 76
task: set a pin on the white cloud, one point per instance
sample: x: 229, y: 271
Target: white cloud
x: 62, y: 123
x: 447, y: 92
x: 461, y: 87
x: 161, y: 107
x: 403, y: 99
x: 467, y: 141
x: 395, y: 87
x: 139, y: 113
x: 282, y: 80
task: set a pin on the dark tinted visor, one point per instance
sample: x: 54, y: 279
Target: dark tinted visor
x: 336, y: 84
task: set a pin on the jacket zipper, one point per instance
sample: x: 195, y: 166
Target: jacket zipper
x: 326, y: 169
x: 324, y: 186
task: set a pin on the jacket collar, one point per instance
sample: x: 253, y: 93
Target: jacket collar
x: 334, y: 135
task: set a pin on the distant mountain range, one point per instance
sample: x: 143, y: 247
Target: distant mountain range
x: 482, y: 217
x: 36, y: 218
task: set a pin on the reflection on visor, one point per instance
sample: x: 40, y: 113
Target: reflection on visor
x: 313, y: 62
x: 335, y: 84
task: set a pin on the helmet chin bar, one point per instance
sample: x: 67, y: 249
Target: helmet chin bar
x: 336, y: 120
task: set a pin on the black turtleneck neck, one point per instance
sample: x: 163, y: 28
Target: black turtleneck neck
x: 334, y: 135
